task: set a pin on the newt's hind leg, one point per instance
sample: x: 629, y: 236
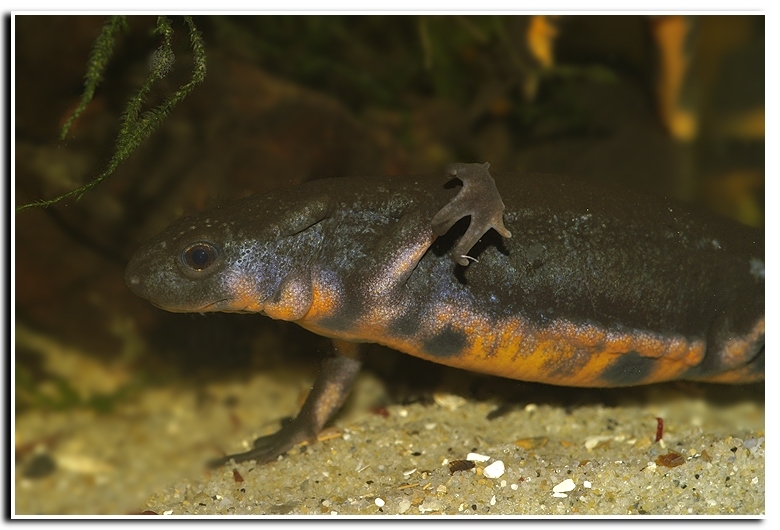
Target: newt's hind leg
x: 479, y: 199
x: 734, y: 358
x: 328, y: 394
x: 753, y: 372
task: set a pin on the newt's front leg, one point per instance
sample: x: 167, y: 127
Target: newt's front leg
x: 328, y: 394
x: 479, y: 199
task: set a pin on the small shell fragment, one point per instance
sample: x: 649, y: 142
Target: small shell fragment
x: 566, y: 485
x: 476, y: 457
x: 449, y: 401
x: 494, y: 470
x: 593, y: 442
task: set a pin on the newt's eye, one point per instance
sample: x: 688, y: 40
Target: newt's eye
x: 199, y: 256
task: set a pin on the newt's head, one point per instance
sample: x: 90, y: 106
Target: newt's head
x: 193, y: 266
x: 230, y: 259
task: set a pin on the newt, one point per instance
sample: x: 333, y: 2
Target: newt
x: 568, y: 284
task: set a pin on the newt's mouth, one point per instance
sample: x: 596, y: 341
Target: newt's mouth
x: 208, y: 308
x: 225, y: 305
x: 211, y: 306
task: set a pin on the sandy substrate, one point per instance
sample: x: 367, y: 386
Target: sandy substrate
x: 561, y: 452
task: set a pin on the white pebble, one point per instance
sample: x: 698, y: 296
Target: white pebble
x: 493, y: 500
x: 379, y: 502
x: 449, y: 401
x: 476, y: 457
x: 566, y: 485
x: 593, y: 441
x: 494, y: 470
x: 587, y: 484
x: 560, y: 495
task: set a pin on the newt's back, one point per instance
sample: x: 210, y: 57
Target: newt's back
x: 594, y: 288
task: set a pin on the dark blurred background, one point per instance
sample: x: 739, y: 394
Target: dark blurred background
x: 670, y: 104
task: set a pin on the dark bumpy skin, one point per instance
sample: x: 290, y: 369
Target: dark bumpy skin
x: 595, y: 287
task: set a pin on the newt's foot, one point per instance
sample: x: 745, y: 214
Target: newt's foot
x: 478, y: 198
x: 268, y: 448
x: 330, y: 390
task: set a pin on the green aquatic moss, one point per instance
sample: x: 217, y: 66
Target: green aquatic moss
x: 137, y: 124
